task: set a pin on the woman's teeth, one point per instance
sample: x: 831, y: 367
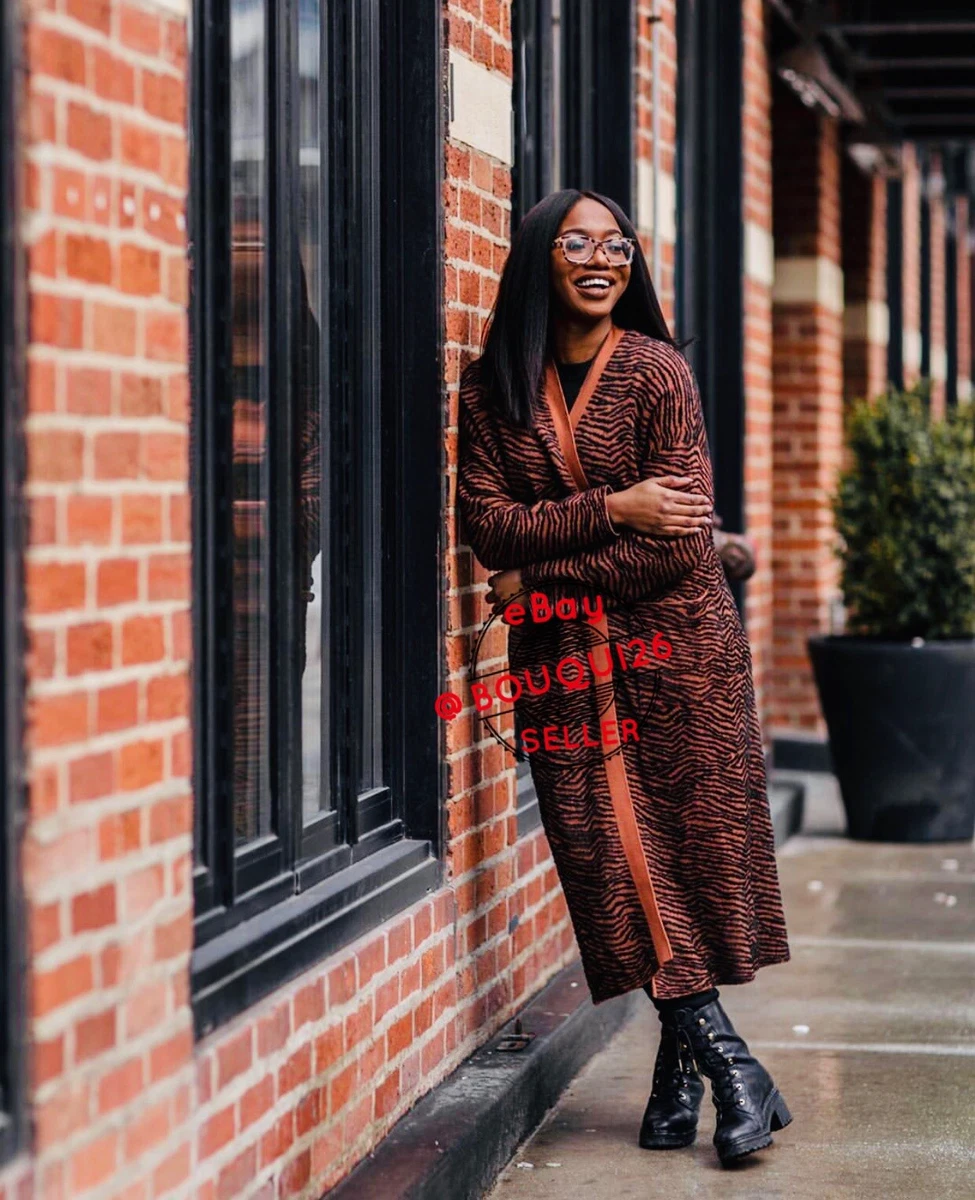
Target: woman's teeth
x: 601, y: 285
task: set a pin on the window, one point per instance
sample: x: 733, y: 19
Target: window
x: 574, y: 107
x: 316, y: 232
x: 12, y: 652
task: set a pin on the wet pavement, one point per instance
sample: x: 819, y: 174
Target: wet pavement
x: 869, y: 1032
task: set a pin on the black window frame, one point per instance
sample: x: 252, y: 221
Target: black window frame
x: 710, y: 251
x: 533, y: 90
x: 598, y: 129
x: 895, y: 282
x: 267, y: 912
x: 12, y: 527
x: 600, y: 113
x: 951, y: 301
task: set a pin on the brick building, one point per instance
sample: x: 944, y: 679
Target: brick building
x: 256, y: 898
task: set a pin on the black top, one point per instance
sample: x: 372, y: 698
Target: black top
x: 572, y: 376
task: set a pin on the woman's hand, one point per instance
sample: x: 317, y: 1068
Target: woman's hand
x: 657, y: 506
x: 505, y: 585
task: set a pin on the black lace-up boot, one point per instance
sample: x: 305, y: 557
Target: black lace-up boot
x: 749, y: 1105
x: 670, y: 1119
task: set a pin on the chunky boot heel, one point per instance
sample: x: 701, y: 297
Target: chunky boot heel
x: 670, y: 1118
x: 780, y: 1113
x: 749, y: 1105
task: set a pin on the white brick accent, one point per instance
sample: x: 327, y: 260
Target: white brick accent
x: 809, y: 281
x: 911, y: 348
x: 667, y: 203
x: 964, y: 391
x: 759, y: 254
x: 482, y: 108
x: 869, y: 322
x: 939, y: 363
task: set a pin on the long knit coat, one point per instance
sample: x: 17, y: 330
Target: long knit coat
x: 664, y: 844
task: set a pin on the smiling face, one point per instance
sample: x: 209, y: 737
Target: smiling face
x: 590, y: 291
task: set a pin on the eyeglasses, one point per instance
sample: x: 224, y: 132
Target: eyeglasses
x: 579, y: 248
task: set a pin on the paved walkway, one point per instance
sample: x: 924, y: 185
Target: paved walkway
x: 869, y: 1031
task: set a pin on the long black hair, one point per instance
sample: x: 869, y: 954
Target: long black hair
x: 517, y: 341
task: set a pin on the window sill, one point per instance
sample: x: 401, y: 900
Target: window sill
x: 240, y: 967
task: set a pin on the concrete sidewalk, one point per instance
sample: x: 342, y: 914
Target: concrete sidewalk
x: 869, y: 1031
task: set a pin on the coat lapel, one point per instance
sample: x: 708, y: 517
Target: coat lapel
x: 560, y: 436
x: 564, y: 425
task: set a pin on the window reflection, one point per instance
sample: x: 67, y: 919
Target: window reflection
x: 314, y: 614
x: 251, y: 785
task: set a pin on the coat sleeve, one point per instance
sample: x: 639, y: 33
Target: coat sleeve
x: 502, y: 532
x: 639, y: 565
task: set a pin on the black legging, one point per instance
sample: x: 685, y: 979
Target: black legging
x: 693, y: 1000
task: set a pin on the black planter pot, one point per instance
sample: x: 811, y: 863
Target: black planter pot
x: 901, y: 722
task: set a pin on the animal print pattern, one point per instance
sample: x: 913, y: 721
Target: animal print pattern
x: 696, y: 778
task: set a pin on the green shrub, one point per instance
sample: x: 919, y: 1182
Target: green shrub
x: 905, y: 513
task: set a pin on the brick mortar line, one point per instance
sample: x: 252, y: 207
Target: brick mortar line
x: 70, y: 358
x: 118, y: 236
x: 92, y: 944
x: 58, y: 1020
x: 108, y: 422
x: 471, y: 267
x: 89, y: 34
x: 289, y: 1101
x: 166, y: 1090
x: 41, y: 83
x: 229, y: 1094
x: 470, y: 148
x: 144, y: 549
x: 68, y: 686
x: 133, y: 608
x: 117, y: 804
x: 48, y: 154
x: 41, y: 488
x: 71, y: 288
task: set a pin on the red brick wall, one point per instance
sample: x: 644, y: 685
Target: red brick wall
x: 757, y: 148
x: 807, y: 384
x: 106, y: 856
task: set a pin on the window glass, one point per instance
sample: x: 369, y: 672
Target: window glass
x: 312, y: 525
x: 251, y: 786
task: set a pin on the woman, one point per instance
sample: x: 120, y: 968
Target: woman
x: 584, y: 469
